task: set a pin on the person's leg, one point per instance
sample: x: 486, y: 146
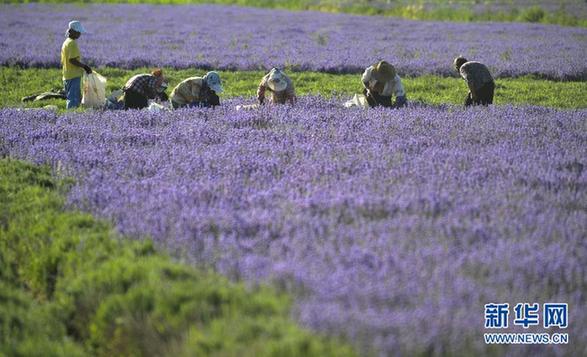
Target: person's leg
x: 485, y: 94
x: 77, y: 91
x: 72, y: 92
x: 129, y: 102
x: 488, y: 91
x: 400, y: 102
x: 476, y: 96
x: 134, y: 100
x: 383, y: 100
x: 468, y: 100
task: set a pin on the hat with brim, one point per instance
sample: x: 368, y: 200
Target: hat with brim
x: 276, y: 81
x: 459, y: 61
x: 277, y: 84
x: 383, y: 72
x: 213, y: 81
x: 76, y: 26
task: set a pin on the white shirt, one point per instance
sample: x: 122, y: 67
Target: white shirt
x: 394, y: 86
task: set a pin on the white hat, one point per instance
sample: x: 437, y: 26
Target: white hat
x: 76, y: 26
x: 212, y: 79
x: 276, y: 80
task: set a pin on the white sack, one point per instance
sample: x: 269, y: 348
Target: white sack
x: 359, y: 100
x: 94, y: 90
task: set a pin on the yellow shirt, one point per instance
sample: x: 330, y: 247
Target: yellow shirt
x: 70, y: 50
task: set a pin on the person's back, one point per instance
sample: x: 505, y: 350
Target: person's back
x: 142, y: 87
x: 139, y: 83
x: 476, y: 73
x: 187, y: 91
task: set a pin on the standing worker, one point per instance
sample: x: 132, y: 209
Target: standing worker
x: 197, y: 91
x: 380, y: 82
x: 142, y: 87
x: 73, y: 68
x: 479, y: 80
x: 280, y: 85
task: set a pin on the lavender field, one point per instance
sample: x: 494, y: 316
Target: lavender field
x: 391, y: 228
x: 226, y: 37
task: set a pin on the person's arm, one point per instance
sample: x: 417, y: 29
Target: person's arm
x: 163, y: 96
x: 366, y: 79
x: 76, y: 62
x: 261, y: 91
x: 466, y: 75
x: 399, y: 92
x: 291, y: 92
x: 213, y: 99
x: 261, y: 94
x: 398, y: 87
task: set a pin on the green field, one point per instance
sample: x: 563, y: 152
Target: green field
x: 17, y: 83
x: 70, y: 286
x: 461, y: 11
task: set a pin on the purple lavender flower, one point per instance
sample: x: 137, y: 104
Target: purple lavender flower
x: 392, y: 228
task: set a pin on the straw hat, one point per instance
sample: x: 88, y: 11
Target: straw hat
x: 383, y: 71
x: 276, y: 81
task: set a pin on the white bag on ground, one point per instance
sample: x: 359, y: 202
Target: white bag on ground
x: 94, y: 90
x: 247, y: 107
x: 156, y: 107
x: 359, y: 100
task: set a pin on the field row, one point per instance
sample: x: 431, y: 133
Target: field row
x: 375, y: 221
x: 562, y: 12
x: 238, y: 38
x: 433, y: 90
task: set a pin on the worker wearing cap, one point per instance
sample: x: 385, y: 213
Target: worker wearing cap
x: 197, y: 91
x: 142, y: 87
x: 479, y: 80
x: 280, y: 85
x: 381, y: 82
x: 73, y: 68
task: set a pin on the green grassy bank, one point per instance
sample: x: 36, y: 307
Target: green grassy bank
x: 17, y: 83
x: 437, y: 10
x: 70, y: 286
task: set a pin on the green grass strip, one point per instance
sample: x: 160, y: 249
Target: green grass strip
x: 70, y: 286
x: 436, y: 10
x: 17, y: 83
